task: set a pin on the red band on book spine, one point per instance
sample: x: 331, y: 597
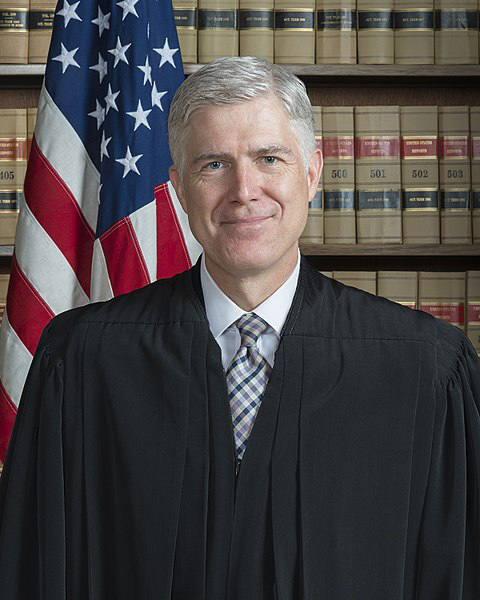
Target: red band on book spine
x: 13, y: 149
x: 474, y: 313
x: 452, y: 313
x: 334, y: 147
x: 377, y: 147
x: 419, y: 148
x: 454, y: 147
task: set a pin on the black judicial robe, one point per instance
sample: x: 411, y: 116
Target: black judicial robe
x: 360, y: 480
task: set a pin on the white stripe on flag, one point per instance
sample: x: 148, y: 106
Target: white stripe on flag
x: 100, y: 287
x: 144, y: 222
x: 65, y: 152
x: 45, y: 266
x: 193, y: 247
x: 15, y: 361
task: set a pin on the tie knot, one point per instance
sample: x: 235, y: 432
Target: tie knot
x: 250, y: 326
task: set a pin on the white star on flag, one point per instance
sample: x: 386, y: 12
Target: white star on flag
x: 110, y: 99
x: 103, y: 22
x: 128, y: 7
x: 147, y: 72
x: 103, y: 146
x: 66, y: 58
x: 140, y: 116
x: 101, y: 67
x: 98, y: 114
x: 119, y: 52
x: 129, y: 162
x: 157, y: 96
x: 166, y: 53
x: 68, y: 12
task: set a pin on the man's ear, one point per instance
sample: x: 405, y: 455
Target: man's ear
x: 176, y: 180
x: 314, y: 173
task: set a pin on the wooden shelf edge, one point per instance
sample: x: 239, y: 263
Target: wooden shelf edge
x: 310, y: 249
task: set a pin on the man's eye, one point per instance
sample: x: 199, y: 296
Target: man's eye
x: 270, y: 160
x: 214, y: 165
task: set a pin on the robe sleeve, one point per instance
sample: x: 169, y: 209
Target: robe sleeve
x: 449, y: 552
x: 32, y: 506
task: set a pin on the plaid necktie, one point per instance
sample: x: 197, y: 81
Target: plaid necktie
x: 247, y: 376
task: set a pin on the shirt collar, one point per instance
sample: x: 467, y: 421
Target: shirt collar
x: 222, y: 312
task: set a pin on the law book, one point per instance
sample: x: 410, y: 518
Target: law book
x: 295, y: 32
x: 377, y: 174
x: 456, y: 32
x: 4, y: 279
x: 31, y: 120
x: 473, y: 308
x: 185, y: 13
x: 455, y: 211
x: 442, y: 295
x: 414, y: 32
x: 420, y: 190
x: 375, y: 32
x: 327, y: 274
x: 363, y: 280
x: 256, y: 28
x: 13, y: 163
x: 40, y: 26
x: 398, y: 286
x: 217, y: 29
x: 336, y: 32
x: 475, y: 167
x: 313, y: 232
x: 339, y: 175
x: 14, y: 31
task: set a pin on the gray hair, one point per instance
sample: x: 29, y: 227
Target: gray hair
x: 233, y: 80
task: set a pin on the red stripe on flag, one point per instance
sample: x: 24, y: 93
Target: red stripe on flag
x: 8, y: 411
x: 58, y: 213
x: 28, y: 313
x: 172, y: 252
x: 126, y: 265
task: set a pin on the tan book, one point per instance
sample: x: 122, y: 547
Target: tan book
x: 327, y: 274
x: 473, y: 308
x: 313, y: 232
x: 414, y: 32
x: 455, y: 211
x: 31, y: 120
x: 336, y: 32
x: 398, y: 286
x: 185, y: 15
x: 256, y: 28
x: 442, y: 295
x: 363, y: 280
x: 339, y: 175
x: 420, y: 190
x: 4, y: 279
x: 14, y: 31
x: 295, y: 31
x: 456, y: 32
x: 13, y: 163
x: 40, y: 29
x: 377, y: 174
x: 217, y: 29
x: 375, y: 32
x: 475, y: 167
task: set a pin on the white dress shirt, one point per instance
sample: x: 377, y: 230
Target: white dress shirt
x: 222, y: 313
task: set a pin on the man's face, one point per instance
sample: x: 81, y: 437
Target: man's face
x: 245, y: 187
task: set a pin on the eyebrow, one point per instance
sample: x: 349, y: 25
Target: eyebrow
x: 260, y: 151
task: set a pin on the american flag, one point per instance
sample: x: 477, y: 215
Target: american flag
x: 99, y: 217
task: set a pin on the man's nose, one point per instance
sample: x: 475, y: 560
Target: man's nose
x: 245, y: 183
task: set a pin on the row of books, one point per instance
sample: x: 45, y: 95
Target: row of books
x: 451, y: 296
x: 397, y: 174
x: 329, y: 32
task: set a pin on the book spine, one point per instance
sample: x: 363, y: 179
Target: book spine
x: 377, y: 174
x: 456, y: 32
x: 14, y: 32
x: 313, y: 232
x: 455, y: 206
x: 442, y: 295
x: 339, y: 175
x: 473, y: 309
x: 256, y: 29
x: 363, y: 280
x: 186, y: 19
x: 414, y: 32
x: 336, y: 32
x: 375, y: 32
x: 4, y: 279
x: 475, y: 167
x: 217, y: 29
x: 40, y: 28
x: 398, y: 286
x: 31, y: 120
x: 420, y: 191
x: 295, y: 31
x: 13, y: 163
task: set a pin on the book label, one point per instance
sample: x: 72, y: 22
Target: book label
x: 420, y: 200
x: 452, y: 146
x: 256, y: 19
x: 476, y: 148
x: 338, y: 20
x: 474, y: 312
x: 340, y: 200
x: 378, y: 19
x: 338, y: 147
x: 217, y: 19
x: 421, y: 19
x: 458, y: 20
x: 14, y: 19
x: 185, y: 17
x: 455, y: 199
x: 414, y: 147
x: 13, y: 149
x: 379, y: 200
x: 377, y: 147
x: 9, y: 200
x: 41, y: 19
x: 451, y: 312
x: 476, y: 200
x: 294, y: 19
x: 317, y: 201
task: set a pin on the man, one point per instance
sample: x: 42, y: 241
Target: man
x: 248, y: 430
